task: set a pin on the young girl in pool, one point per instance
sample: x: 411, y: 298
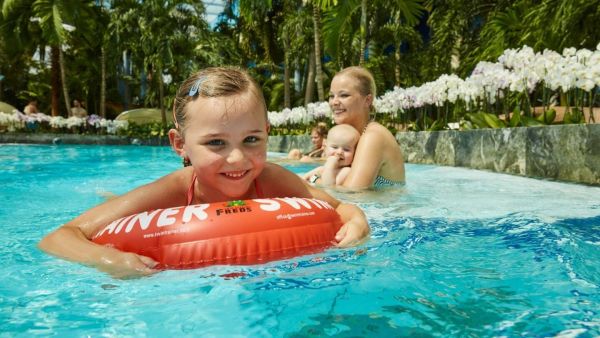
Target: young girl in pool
x: 221, y: 134
x: 341, y: 143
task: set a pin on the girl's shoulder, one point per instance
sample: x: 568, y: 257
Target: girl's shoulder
x: 277, y: 181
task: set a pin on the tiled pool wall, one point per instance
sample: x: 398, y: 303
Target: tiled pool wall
x: 564, y: 152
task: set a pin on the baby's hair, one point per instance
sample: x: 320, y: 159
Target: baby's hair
x: 364, y: 78
x: 345, y: 129
x: 213, y: 82
x: 321, y: 129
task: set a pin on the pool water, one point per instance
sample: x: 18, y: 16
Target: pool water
x: 455, y: 252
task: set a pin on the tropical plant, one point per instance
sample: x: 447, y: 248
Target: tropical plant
x: 34, y: 24
x: 161, y: 37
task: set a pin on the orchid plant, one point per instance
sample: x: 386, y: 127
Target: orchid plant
x: 519, y: 80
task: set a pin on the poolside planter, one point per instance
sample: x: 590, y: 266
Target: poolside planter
x: 561, y: 152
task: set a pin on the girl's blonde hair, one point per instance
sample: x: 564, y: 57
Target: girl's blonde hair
x: 213, y: 82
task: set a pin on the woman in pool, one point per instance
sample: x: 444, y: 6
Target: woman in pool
x: 341, y: 143
x: 221, y: 133
x: 378, y: 160
x: 318, y: 134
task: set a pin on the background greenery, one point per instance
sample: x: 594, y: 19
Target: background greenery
x: 121, y: 54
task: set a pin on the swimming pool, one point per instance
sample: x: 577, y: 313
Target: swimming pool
x: 456, y: 252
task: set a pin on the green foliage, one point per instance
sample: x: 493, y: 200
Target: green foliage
x: 147, y: 130
x: 574, y: 116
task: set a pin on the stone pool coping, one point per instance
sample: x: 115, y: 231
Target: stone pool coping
x: 569, y: 153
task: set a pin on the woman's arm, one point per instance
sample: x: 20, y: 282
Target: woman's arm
x: 72, y: 240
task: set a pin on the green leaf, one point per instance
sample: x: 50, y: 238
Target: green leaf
x: 515, y: 118
x: 547, y: 117
x: 493, y: 121
x: 530, y: 122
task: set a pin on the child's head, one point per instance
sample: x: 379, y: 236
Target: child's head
x: 213, y: 82
x: 222, y: 130
x: 341, y: 141
x: 318, y: 133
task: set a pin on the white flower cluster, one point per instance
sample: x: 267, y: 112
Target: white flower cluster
x: 18, y: 120
x: 517, y: 70
x: 300, y: 115
x: 10, y: 121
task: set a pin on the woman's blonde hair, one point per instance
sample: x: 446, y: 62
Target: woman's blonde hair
x: 364, y: 79
x: 213, y: 82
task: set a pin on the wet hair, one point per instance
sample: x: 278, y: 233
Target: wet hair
x: 321, y: 129
x: 213, y: 82
x: 365, y: 83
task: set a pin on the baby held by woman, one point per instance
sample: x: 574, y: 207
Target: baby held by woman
x: 340, y: 147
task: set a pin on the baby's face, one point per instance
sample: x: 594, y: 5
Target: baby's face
x: 343, y: 146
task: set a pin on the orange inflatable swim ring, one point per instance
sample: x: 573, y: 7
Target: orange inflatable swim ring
x: 237, y: 232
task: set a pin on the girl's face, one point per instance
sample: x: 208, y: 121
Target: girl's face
x: 316, y: 139
x: 347, y: 103
x: 226, y: 142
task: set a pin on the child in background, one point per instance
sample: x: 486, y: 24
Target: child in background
x: 318, y: 134
x: 221, y: 134
x: 341, y: 144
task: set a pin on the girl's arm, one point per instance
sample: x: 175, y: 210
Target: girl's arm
x: 72, y: 240
x: 355, y: 228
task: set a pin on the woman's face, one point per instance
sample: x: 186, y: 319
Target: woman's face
x: 347, y: 103
x: 226, y: 142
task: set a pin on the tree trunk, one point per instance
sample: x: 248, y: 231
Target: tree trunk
x: 54, y: 80
x: 455, y: 55
x: 102, y: 82
x: 318, y: 66
x: 310, y: 79
x: 161, y: 95
x: 287, y: 102
x: 63, y: 79
x: 397, y: 55
x: 363, y: 32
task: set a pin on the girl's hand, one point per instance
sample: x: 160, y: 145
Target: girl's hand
x: 125, y: 265
x: 352, y: 234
